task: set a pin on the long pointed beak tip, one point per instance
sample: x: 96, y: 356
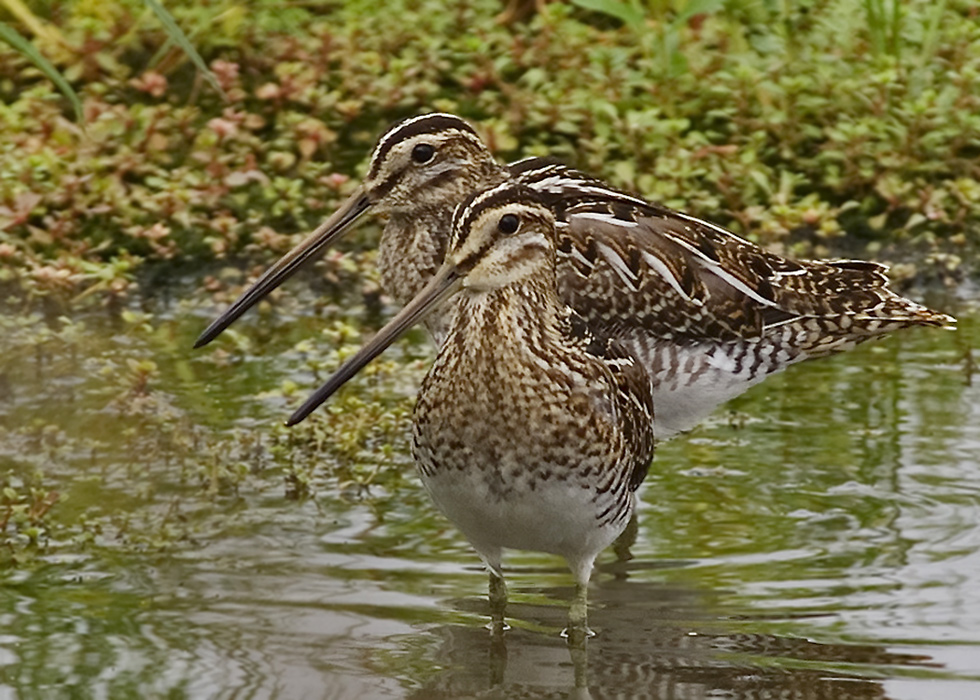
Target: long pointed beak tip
x: 294, y: 419
x: 358, y: 203
x: 208, y: 334
x: 445, y: 282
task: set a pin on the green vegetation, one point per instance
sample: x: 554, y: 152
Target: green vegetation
x: 796, y: 123
x: 814, y: 126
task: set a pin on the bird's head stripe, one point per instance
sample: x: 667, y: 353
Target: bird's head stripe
x: 413, y: 126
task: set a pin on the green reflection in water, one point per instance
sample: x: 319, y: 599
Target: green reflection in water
x: 817, y: 538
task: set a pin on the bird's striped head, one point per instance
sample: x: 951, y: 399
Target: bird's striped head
x: 501, y: 236
x: 427, y: 161
x: 420, y: 168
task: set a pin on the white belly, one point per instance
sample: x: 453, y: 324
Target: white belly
x: 558, y: 516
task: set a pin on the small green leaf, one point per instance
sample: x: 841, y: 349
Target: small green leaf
x: 698, y: 7
x: 629, y: 13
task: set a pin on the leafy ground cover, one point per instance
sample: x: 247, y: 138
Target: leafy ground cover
x: 817, y: 126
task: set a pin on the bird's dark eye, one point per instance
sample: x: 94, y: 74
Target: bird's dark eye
x: 509, y: 223
x: 423, y: 152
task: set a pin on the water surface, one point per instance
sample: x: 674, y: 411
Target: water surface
x: 818, y: 537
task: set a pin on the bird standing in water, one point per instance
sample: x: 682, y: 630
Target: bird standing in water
x: 707, y: 313
x: 529, y: 432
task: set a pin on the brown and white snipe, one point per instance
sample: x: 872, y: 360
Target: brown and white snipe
x: 529, y: 432
x: 708, y: 314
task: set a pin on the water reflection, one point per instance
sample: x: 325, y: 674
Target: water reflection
x: 655, y: 641
x: 212, y: 631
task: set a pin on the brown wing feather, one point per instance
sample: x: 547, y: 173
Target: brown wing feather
x: 680, y: 278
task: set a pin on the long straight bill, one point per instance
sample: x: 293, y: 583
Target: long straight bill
x: 311, y: 246
x: 446, y: 283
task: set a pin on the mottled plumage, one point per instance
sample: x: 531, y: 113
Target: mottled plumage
x: 708, y: 313
x: 529, y: 432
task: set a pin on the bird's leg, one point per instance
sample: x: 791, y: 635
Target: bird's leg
x: 625, y: 542
x: 578, y: 616
x: 498, y: 603
x: 577, y: 634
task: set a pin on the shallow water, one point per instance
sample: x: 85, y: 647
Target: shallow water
x: 817, y: 538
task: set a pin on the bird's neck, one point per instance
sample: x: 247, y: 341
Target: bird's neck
x: 413, y: 243
x: 411, y: 250
x: 528, y: 314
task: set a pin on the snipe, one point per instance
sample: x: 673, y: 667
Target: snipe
x: 709, y: 314
x: 529, y: 432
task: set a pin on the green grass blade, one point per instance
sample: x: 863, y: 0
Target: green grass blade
x: 931, y: 33
x: 31, y: 22
x: 28, y: 50
x: 178, y: 37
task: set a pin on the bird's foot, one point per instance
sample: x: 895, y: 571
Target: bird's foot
x: 577, y: 635
x: 497, y: 627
